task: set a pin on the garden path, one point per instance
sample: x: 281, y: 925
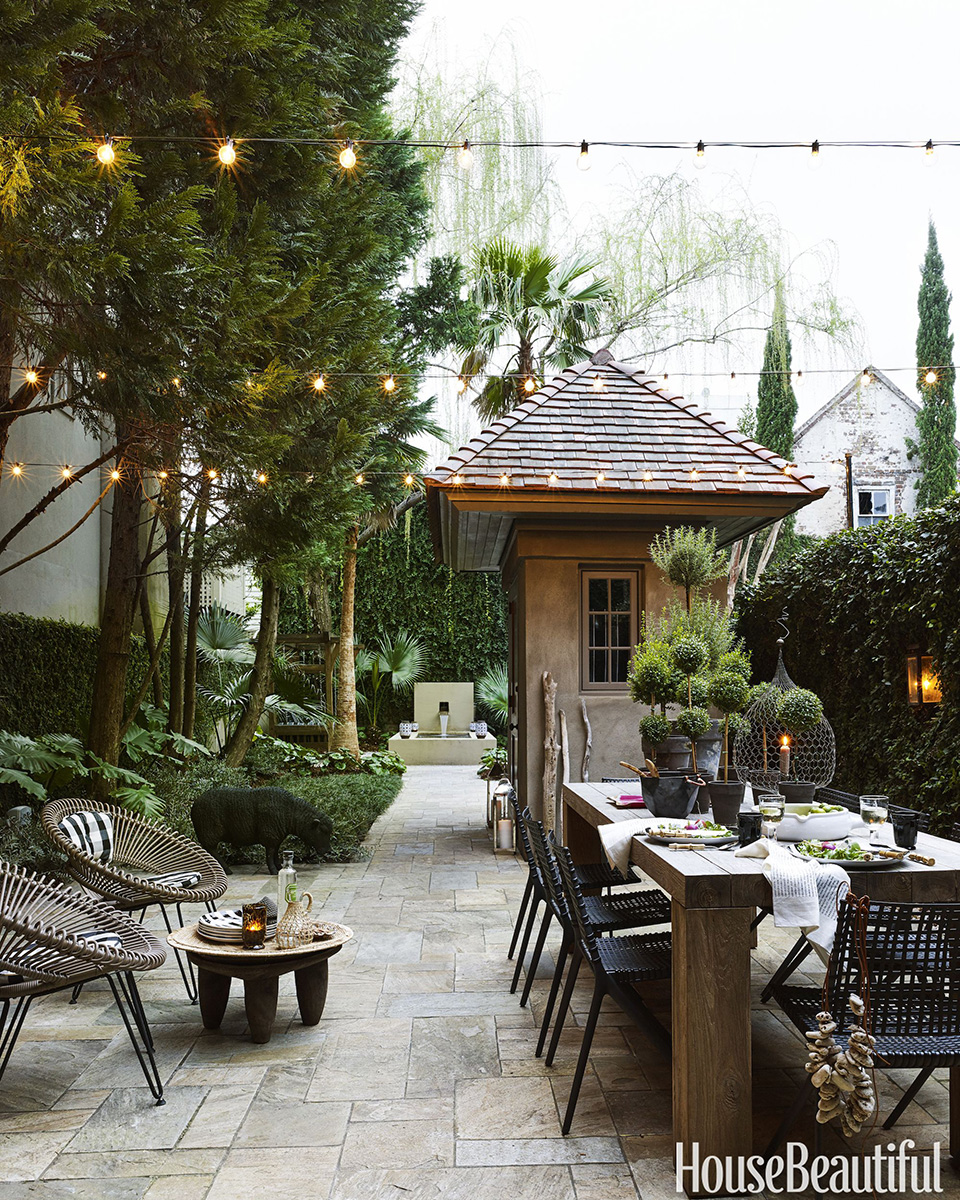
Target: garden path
x: 420, y: 1080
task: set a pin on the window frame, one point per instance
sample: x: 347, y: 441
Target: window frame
x: 868, y: 520
x: 634, y: 573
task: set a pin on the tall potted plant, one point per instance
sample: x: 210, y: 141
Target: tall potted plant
x: 729, y: 692
x: 799, y: 711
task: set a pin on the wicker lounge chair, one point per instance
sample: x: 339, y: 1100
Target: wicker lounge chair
x: 53, y: 939
x: 143, y: 863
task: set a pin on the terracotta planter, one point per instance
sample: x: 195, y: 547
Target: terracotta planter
x: 725, y: 800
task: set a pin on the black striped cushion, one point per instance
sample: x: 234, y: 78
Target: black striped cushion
x: 91, y: 833
x: 177, y: 879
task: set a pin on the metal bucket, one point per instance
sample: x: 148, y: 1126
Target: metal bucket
x: 672, y: 795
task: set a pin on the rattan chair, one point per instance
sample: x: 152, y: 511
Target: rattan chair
x: 53, y: 939
x: 142, y: 851
x: 618, y: 965
x: 591, y: 875
x: 912, y: 956
x: 626, y: 910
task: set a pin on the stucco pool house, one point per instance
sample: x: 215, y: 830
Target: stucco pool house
x: 563, y: 496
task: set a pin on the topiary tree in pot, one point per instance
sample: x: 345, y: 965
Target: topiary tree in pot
x: 799, y: 711
x: 728, y: 692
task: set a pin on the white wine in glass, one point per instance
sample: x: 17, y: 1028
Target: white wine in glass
x: 873, y: 813
x: 771, y: 810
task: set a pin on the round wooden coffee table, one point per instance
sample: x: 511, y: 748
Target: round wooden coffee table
x: 260, y: 971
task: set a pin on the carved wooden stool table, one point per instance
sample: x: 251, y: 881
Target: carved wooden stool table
x: 260, y: 971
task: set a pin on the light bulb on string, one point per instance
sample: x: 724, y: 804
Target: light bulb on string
x: 866, y: 377
x: 741, y: 472
x: 389, y: 384
x: 733, y: 375
x: 319, y: 383
x: 928, y: 155
x: 597, y: 383
x: 66, y: 472
x: 930, y: 377
x: 504, y: 479
x: 583, y: 158
x: 461, y: 385
x: 227, y: 153
x: 600, y: 477
x: 458, y: 478
x: 358, y: 479
x: 699, y: 156
x: 553, y: 478
x: 529, y: 384
x: 465, y: 157
x: 798, y: 378
x: 17, y: 469
x: 115, y: 475
x: 163, y: 476
x: 814, y: 160
x: 175, y: 381
x: 408, y: 480
x: 32, y: 376
x: 212, y: 473
x: 106, y: 153
x: 348, y: 156
x: 262, y: 477
x: 647, y: 476
x: 694, y: 474
x: 101, y: 375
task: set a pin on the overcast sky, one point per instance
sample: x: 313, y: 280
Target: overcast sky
x: 763, y: 69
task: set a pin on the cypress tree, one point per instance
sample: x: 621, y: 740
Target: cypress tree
x: 937, y: 419
x: 776, y: 402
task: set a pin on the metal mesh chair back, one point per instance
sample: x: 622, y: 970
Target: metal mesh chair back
x: 573, y: 897
x: 851, y: 802
x: 546, y: 863
x: 912, y: 954
x: 522, y: 830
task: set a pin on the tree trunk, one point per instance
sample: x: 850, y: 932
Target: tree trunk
x: 150, y: 637
x: 261, y: 677
x: 733, y: 573
x: 193, y: 615
x: 116, y: 624
x: 767, y: 551
x: 175, y: 576
x: 344, y: 735
x: 525, y: 369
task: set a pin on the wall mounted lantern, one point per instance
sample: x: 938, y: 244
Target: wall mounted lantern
x: 923, y: 683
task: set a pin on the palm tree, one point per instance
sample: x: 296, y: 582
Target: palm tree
x: 401, y: 659
x: 542, y: 311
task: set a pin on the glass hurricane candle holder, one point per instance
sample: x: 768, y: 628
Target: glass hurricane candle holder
x: 254, y: 926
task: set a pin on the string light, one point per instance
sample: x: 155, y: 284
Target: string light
x: 461, y: 385
x: 66, y: 472
x: 389, y: 384
x: 17, y: 469
x: 458, y: 478
x: 319, y: 384
x: 529, y: 384
x: 814, y: 155
x: 597, y: 383
x: 162, y: 476
x: 553, y: 478
x: 504, y: 479
x: 694, y: 473
x: 175, y: 381
x: 799, y: 378
x: 733, y: 374
x: 583, y: 158
x: 262, y: 477
x: 105, y: 152
x: 408, y: 480
x: 31, y: 376
x: 699, y: 159
x: 600, y: 477
x: 928, y: 157
x: 212, y: 473
x: 647, y: 476
x: 227, y: 153
x: 101, y: 375
x: 358, y: 479
x: 115, y: 475
x: 348, y: 157
x: 866, y: 377
x: 930, y: 377
x: 465, y: 157
x: 741, y: 472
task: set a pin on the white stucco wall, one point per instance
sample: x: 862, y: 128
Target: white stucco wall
x: 873, y: 423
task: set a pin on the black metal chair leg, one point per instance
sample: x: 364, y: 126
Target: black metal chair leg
x: 132, y: 995
x: 11, y: 1031
x: 761, y: 916
x: 186, y: 972
x: 575, y: 960
x: 537, y: 953
x: 907, y: 1096
x: 599, y: 991
x: 523, y: 908
x: 534, y: 904
x: 554, y: 992
x: 148, y: 1064
x: 800, y: 949
x: 75, y: 994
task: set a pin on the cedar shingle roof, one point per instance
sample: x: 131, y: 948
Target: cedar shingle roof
x: 604, y: 417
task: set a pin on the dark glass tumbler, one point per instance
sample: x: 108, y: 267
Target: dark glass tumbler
x: 750, y: 825
x: 906, y: 825
x: 254, y: 926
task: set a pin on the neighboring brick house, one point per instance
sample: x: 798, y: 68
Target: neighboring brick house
x: 872, y: 423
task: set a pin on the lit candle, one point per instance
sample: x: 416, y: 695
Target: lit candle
x: 785, y: 758
x: 254, y: 926
x: 505, y: 834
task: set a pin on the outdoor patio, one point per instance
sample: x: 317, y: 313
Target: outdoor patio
x: 420, y: 1080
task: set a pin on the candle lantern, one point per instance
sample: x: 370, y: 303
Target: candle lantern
x: 254, y: 926
x: 923, y: 683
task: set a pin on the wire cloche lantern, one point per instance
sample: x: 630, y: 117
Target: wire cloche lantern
x: 758, y: 745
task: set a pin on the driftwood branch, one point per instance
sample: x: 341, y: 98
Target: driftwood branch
x: 588, y: 745
x: 549, y: 751
x: 564, y: 746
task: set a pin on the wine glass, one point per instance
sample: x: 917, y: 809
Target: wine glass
x: 771, y: 805
x: 873, y: 813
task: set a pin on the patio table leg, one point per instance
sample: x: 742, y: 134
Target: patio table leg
x: 214, y: 992
x: 260, y: 1002
x: 311, y: 991
x: 712, y: 1112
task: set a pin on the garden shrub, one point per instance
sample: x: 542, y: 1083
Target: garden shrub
x: 856, y: 601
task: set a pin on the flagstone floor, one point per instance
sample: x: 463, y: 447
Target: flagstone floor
x: 419, y: 1082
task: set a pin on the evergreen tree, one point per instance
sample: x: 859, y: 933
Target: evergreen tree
x: 937, y: 419
x: 776, y: 402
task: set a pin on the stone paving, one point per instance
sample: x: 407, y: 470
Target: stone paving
x: 419, y: 1082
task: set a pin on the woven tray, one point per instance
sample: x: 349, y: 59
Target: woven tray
x: 188, y: 939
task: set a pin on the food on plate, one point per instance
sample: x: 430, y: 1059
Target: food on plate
x: 839, y: 851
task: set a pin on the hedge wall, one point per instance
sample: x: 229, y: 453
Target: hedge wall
x: 46, y: 674
x: 856, y: 601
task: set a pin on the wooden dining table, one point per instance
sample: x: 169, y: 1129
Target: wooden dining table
x: 715, y: 896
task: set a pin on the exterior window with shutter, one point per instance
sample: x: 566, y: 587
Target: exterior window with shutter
x: 609, y: 610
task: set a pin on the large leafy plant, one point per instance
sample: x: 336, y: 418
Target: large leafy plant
x: 398, y: 662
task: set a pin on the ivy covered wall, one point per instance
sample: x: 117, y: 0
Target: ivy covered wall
x: 856, y: 601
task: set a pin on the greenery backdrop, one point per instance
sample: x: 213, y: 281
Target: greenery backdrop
x: 856, y: 601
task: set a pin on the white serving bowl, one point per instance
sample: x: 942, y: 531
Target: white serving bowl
x: 799, y: 824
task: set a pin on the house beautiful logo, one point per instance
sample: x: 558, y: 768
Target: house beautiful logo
x: 890, y: 1171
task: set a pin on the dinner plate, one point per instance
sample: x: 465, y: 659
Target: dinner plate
x: 853, y: 864
x: 688, y: 837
